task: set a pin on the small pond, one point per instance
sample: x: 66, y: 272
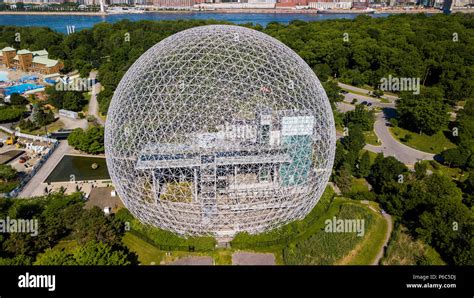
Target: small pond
x: 80, y: 167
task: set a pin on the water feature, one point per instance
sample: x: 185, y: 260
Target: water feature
x: 60, y: 22
x: 80, y: 167
x: 22, y: 88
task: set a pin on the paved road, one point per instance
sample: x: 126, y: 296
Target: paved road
x: 349, y: 97
x: 389, y: 145
x: 93, y: 104
x: 72, y: 123
x: 45, y: 170
x: 360, y: 90
x: 392, y: 147
x: 389, y: 220
x: 344, y: 107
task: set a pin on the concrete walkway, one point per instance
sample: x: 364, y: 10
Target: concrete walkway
x: 35, y: 182
x: 253, y: 258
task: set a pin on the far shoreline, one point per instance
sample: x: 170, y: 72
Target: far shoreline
x: 229, y: 11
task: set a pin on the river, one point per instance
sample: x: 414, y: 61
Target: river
x: 60, y: 22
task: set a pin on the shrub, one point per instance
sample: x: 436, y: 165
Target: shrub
x: 10, y: 114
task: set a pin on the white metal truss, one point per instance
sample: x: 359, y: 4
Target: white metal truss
x: 217, y: 130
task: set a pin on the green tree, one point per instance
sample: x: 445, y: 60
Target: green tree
x: 90, y: 141
x: 55, y: 257
x: 99, y: 253
x: 424, y: 113
x: 333, y: 91
x: 364, y: 165
x: 384, y: 171
x: 7, y: 172
x: 17, y: 100
x: 94, y: 225
x: 456, y: 157
x: 361, y: 117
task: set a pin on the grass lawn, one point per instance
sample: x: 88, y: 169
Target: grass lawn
x: 371, y: 138
x: 355, y: 92
x: 361, y: 251
x: 372, y: 243
x: 323, y: 248
x: 454, y: 173
x: 431, y: 144
x: 149, y: 254
x: 52, y: 127
x: 359, y: 185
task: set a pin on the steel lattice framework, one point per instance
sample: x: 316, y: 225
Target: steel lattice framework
x: 217, y: 130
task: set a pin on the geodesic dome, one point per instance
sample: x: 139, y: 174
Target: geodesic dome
x: 219, y: 129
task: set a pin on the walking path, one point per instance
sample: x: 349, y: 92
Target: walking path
x: 93, y: 104
x: 380, y: 255
x: 35, y: 182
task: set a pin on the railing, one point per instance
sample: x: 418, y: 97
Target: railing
x: 27, y: 136
x: 35, y: 169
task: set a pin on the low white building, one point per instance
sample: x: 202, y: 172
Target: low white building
x: 331, y: 5
x: 68, y: 114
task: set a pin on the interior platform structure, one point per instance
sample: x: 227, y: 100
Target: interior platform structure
x: 247, y: 165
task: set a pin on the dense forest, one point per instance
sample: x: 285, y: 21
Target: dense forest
x: 438, y: 49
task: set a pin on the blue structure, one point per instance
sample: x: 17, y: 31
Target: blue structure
x: 20, y: 89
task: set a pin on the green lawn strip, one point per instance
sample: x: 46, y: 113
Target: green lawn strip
x: 146, y: 252
x: 359, y: 185
x: 324, y: 248
x: 52, y: 127
x: 373, y: 242
x: 371, y: 138
x: 437, y: 168
x: 319, y: 224
x: 431, y: 144
x: 355, y: 92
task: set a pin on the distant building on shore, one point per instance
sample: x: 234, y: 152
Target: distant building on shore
x: 330, y: 4
x: 174, y: 3
x: 360, y: 4
x: 34, y: 61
